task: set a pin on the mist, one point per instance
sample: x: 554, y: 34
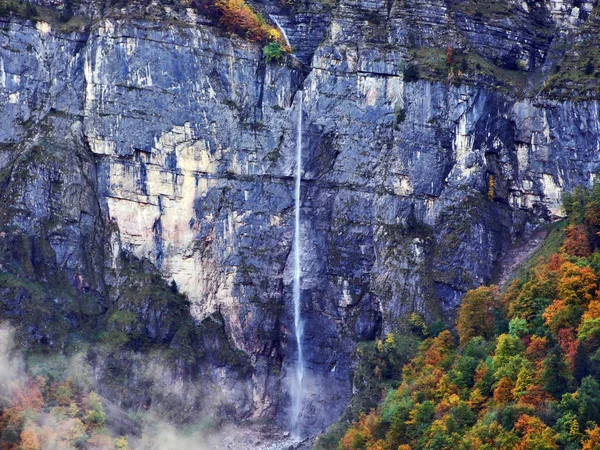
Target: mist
x: 60, y: 409
x: 67, y: 412
x: 11, y: 362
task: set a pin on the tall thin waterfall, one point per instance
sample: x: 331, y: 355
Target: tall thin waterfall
x: 297, y: 393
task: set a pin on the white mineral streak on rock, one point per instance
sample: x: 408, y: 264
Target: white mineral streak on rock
x: 90, y: 88
x: 148, y: 75
x: 395, y: 92
x: 43, y: 27
x: 546, y: 126
x: 552, y: 193
x: 130, y: 45
x: 346, y: 296
x: 403, y: 186
x: 2, y: 74
x: 101, y: 146
x: 463, y: 151
x: 368, y: 88
x: 107, y: 28
x: 335, y: 30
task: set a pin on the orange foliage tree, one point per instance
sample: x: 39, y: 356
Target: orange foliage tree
x: 29, y: 439
x: 576, y: 288
x: 592, y: 442
x: 567, y: 339
x: 361, y: 435
x: 504, y: 391
x: 476, y: 315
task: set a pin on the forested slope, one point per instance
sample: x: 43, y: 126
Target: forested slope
x: 521, y: 368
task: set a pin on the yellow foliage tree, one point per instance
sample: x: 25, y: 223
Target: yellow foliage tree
x: 592, y: 442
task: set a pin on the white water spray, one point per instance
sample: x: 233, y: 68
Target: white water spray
x: 297, y: 393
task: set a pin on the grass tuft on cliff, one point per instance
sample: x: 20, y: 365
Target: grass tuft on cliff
x: 576, y: 76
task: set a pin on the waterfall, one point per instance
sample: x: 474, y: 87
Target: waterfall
x: 287, y: 41
x: 297, y: 393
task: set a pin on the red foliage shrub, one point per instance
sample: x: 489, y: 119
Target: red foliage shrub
x: 576, y: 242
x: 567, y: 339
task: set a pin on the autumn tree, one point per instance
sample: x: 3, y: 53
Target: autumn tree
x: 122, y: 443
x: 476, y: 315
x: 237, y: 16
x: 525, y: 380
x: 484, y: 378
x: 528, y: 298
x: 589, y: 327
x: 537, y: 349
x: 577, y: 284
x: 362, y: 434
x: 504, y: 391
x: 508, y: 359
x: 29, y: 439
x: 592, y: 441
x: 28, y: 398
x: 576, y: 241
x: 490, y: 435
x: 535, y: 434
x: 440, y: 350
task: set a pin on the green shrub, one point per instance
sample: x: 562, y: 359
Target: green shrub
x: 401, y: 117
x: 96, y: 417
x: 589, y: 68
x: 30, y: 10
x: 411, y: 73
x: 273, y: 51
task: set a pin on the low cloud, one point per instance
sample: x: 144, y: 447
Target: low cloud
x: 58, y: 426
x: 163, y: 436
x: 12, y: 373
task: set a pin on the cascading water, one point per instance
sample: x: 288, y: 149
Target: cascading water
x: 287, y: 41
x: 297, y: 393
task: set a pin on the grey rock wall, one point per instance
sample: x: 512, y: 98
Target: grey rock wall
x: 174, y: 143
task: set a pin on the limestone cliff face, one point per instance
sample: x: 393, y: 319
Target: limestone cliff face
x: 173, y: 142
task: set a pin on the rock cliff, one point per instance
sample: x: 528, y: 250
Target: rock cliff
x: 142, y: 145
